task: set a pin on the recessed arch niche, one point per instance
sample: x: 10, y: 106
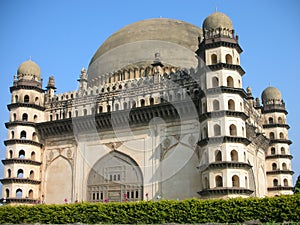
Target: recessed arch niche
x: 115, y: 177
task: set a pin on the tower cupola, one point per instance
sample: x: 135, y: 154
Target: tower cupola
x: 29, y: 70
x: 271, y: 95
x: 217, y: 20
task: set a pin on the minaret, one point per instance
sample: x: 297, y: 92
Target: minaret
x: 50, y: 89
x: 22, y: 178
x: 224, y: 168
x: 83, y: 82
x: 278, y: 158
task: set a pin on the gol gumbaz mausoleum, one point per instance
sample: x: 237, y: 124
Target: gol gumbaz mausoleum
x: 160, y: 113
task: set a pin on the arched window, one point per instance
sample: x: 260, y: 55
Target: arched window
x: 206, y: 184
x: 76, y: 113
x: 22, y: 154
x: 19, y: 193
x: 285, y: 182
x: 204, y: 134
x: 7, y: 193
x: 228, y: 59
x: 12, y: 133
x: 57, y: 116
x: 218, y: 156
x: 14, y: 117
x: 219, y: 181
x: 178, y: 96
x: 16, y: 98
x: 26, y: 98
x: 281, y: 135
x: 10, y: 154
x: 133, y: 104
x: 51, y: 117
x: 215, y: 82
x: 116, y: 106
x: 108, y: 108
x: 32, y: 156
x: 85, y: 112
x: 20, y: 173
x: 274, y: 166
x: 245, y: 157
x: 214, y: 59
x: 24, y: 117
x: 272, y: 136
x: 30, y: 193
x: 35, y: 118
x: 124, y: 105
x: 216, y: 105
x: 280, y: 121
x: 282, y: 150
x: 230, y: 82
x: 142, y: 101
x: 70, y: 114
x: 273, y: 151
x: 8, y: 173
x: 31, y: 174
x: 151, y: 101
x: 284, y: 167
x: 235, y: 181
x: 275, y: 182
x: 100, y: 109
x: 271, y: 121
x: 234, y: 156
x: 231, y: 105
x: 217, y: 130
x: 232, y: 130
x: 34, y: 136
x: 36, y: 100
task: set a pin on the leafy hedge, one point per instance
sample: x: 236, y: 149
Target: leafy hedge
x: 236, y: 210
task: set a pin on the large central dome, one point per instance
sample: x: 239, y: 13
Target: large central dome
x: 175, y: 40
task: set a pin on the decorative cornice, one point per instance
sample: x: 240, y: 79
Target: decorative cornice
x: 21, y: 123
x: 19, y: 200
x: 224, y: 139
x: 225, y: 191
x: 19, y: 180
x: 280, y: 188
x: 228, y: 165
x: 275, y: 125
x: 22, y: 141
x: 273, y: 172
x: 168, y: 111
x: 220, y: 41
x: 281, y: 141
x: 279, y: 156
x: 223, y: 113
x: 26, y: 105
x: 226, y: 89
x: 20, y: 161
x: 220, y: 66
x: 26, y: 87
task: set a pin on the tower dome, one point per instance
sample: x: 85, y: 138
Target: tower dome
x: 29, y: 70
x: 271, y: 94
x: 217, y: 20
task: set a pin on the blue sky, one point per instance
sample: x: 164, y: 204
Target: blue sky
x: 61, y: 37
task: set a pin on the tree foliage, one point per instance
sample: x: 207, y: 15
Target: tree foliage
x: 297, y: 186
x: 279, y: 209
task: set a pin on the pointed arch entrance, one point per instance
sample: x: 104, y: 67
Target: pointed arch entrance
x: 115, y: 177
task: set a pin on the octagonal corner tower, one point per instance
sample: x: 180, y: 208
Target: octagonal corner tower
x: 136, y: 44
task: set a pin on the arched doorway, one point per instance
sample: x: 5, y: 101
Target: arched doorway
x: 115, y: 177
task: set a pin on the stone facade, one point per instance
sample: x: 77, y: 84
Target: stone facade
x: 165, y: 126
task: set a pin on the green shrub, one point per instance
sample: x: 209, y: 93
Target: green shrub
x: 285, y: 208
